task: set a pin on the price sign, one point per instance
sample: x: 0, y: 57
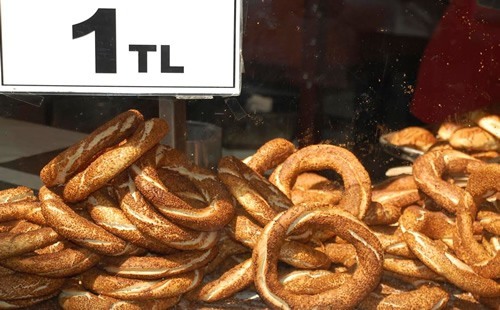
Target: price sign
x: 147, y: 47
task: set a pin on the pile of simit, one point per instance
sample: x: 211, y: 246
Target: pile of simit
x: 125, y: 222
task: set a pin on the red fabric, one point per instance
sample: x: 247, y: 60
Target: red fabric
x: 460, y: 68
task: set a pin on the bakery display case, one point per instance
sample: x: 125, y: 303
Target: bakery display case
x: 356, y: 167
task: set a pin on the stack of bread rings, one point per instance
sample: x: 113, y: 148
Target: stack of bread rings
x: 476, y: 133
x: 123, y: 221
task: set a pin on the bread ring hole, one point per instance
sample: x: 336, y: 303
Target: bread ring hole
x: 324, y: 186
x: 457, y: 178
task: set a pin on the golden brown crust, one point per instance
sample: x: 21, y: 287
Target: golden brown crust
x: 157, y: 267
x: 213, y: 217
x: 19, y: 193
x: 13, y: 244
x: 74, y: 296
x: 153, y: 224
x: 22, y: 210
x: 410, y: 268
x: 413, y: 136
x: 77, y: 156
x: 474, y: 139
x: 312, y: 187
x: 423, y: 297
x: 357, y: 183
x: 341, y: 253
x: 134, y: 289
x: 80, y: 230
x: 261, y: 199
x: 386, y: 205
x: 27, y: 303
x: 312, y: 282
x: 365, y: 278
x: 106, y: 213
x: 294, y: 253
x: 229, y: 283
x: 24, y: 286
x: 429, y: 170
x: 108, y: 165
x: 270, y: 155
x: 436, y: 256
x: 446, y: 129
x: 483, y: 180
x: 487, y: 121
x: 65, y: 263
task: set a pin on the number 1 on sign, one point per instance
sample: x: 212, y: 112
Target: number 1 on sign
x: 103, y: 23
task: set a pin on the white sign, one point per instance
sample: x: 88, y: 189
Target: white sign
x: 146, y: 47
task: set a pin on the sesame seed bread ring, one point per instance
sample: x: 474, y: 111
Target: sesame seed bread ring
x: 392, y: 241
x: 483, y: 180
x: 313, y: 281
x: 428, y: 172
x: 490, y: 221
x: 26, y: 303
x: 398, y: 198
x: 125, y: 288
x: 364, y: 279
x: 261, y: 199
x: 488, y: 122
x: 5, y: 271
x: 227, y: 248
x: 20, y: 226
x: 182, y: 187
x: 410, y: 267
x: 467, y: 248
x: 109, y: 164
x: 22, y: 210
x: 435, y: 255
x: 486, y: 156
x: 434, y: 224
x: 142, y: 214
x: 357, y: 184
x: 53, y: 248
x: 315, y: 188
x: 79, y: 155
x: 13, y: 244
x: 18, y: 193
x: 229, y: 283
x: 474, y: 139
x: 382, y: 214
x: 294, y: 253
x: 74, y: 296
x: 22, y: 286
x: 214, y: 216
x: 106, y: 213
x: 71, y: 225
x: 153, y: 224
x: 65, y: 263
x: 423, y: 297
x: 341, y: 253
x: 270, y: 155
x: 413, y: 136
x: 446, y: 129
x: 404, y: 182
x: 156, y: 267
x: 386, y: 205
